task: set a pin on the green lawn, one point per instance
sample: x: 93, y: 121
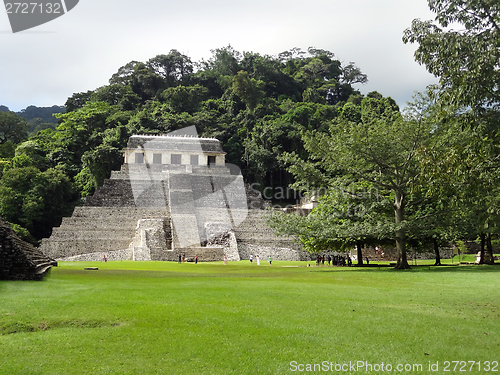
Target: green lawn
x: 169, y: 318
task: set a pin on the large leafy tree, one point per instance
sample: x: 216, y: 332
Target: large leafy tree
x: 378, y: 148
x: 460, y: 166
x: 173, y: 67
x: 467, y: 62
x: 349, y: 214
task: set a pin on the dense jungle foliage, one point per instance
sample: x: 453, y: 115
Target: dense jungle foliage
x: 257, y: 106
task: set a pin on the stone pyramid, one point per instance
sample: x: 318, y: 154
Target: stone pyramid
x: 173, y: 196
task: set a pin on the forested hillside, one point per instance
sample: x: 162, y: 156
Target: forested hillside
x: 38, y: 118
x: 257, y: 106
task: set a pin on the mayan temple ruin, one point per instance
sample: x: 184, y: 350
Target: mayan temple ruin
x: 174, y: 196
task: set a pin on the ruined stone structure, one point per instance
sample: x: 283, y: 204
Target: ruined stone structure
x: 18, y: 259
x: 174, y: 195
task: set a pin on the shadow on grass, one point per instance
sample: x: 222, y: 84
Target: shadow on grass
x: 8, y: 328
x: 419, y: 268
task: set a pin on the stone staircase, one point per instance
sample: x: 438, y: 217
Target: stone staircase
x: 96, y: 229
x: 19, y: 260
x: 186, y: 197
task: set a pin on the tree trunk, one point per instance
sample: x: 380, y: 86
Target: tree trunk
x: 436, y: 250
x: 489, y: 246
x: 400, y: 233
x: 483, y: 241
x: 360, y: 254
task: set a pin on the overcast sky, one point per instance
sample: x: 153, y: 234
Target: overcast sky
x: 82, y: 49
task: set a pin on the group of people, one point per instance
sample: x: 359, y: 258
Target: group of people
x: 378, y: 251
x: 336, y: 260
x: 257, y: 259
x: 182, y: 258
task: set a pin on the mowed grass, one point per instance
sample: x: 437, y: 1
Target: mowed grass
x: 211, y: 318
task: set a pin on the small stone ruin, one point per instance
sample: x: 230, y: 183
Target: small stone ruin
x: 20, y: 260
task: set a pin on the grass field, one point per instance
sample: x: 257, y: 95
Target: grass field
x: 210, y: 318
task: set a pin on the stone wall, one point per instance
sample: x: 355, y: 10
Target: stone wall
x: 97, y: 257
x: 255, y: 237
x: 152, y: 238
x: 96, y: 230
x: 205, y: 254
x: 223, y: 235
x: 277, y: 253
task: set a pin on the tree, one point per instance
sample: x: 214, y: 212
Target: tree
x: 249, y: 90
x: 44, y: 113
x: 347, y: 216
x: 352, y: 74
x: 378, y: 150
x: 460, y: 165
x: 173, y: 67
x: 77, y: 100
x: 466, y: 61
x: 35, y: 200
x: 12, y: 128
x: 146, y: 83
x: 124, y: 75
x: 225, y: 61
x: 184, y: 98
x: 7, y: 150
x: 101, y: 161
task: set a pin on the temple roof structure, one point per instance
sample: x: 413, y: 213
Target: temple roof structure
x: 175, y: 143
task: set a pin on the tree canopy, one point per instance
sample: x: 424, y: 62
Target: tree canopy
x: 463, y: 162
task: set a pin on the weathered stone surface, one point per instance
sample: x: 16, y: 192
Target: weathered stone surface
x: 98, y: 257
x: 20, y: 260
x: 173, y: 203
x: 152, y: 238
x: 222, y: 234
x: 97, y: 230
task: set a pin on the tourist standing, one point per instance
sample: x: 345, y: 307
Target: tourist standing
x: 270, y: 260
x: 196, y: 259
x: 251, y: 258
x: 104, y: 259
x: 258, y: 260
x: 180, y: 258
x: 225, y: 259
